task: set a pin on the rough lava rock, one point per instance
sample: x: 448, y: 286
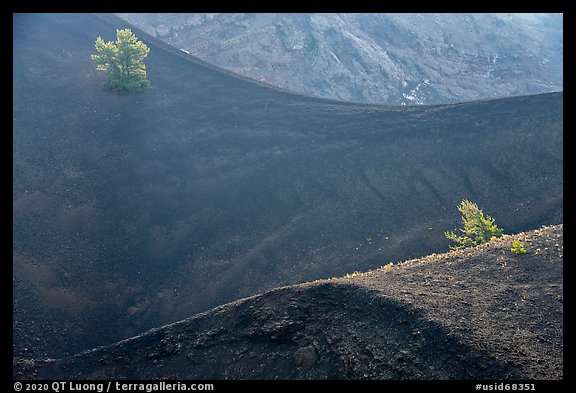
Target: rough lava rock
x: 398, y: 59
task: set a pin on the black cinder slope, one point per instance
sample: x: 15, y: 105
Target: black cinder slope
x: 134, y: 211
x: 479, y: 313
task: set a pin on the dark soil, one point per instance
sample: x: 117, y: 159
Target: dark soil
x: 476, y: 313
x: 130, y: 212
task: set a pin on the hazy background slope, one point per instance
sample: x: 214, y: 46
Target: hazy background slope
x: 398, y: 59
x: 133, y: 211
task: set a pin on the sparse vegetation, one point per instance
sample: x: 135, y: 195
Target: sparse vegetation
x: 355, y: 274
x: 123, y: 63
x: 388, y: 266
x: 478, y: 229
x: 518, y: 247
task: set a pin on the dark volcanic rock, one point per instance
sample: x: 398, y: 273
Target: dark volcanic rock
x: 432, y: 318
x: 130, y: 212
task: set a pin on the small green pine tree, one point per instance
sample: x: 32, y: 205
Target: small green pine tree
x: 477, y: 228
x: 518, y: 247
x: 122, y: 62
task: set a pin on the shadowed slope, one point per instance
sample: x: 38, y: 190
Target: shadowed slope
x: 479, y: 313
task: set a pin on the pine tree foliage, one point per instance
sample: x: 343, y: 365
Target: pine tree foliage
x: 478, y: 229
x: 122, y: 62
